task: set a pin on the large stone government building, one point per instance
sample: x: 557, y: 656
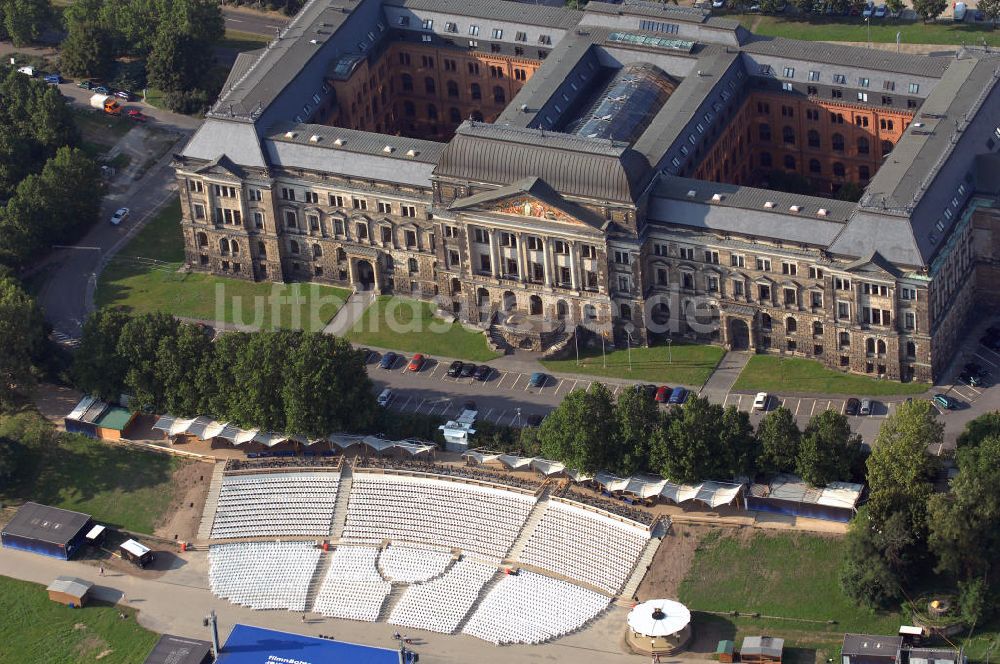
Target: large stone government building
x: 624, y: 168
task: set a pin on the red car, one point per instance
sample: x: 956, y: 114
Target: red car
x: 136, y: 115
x: 662, y: 394
x: 416, y: 362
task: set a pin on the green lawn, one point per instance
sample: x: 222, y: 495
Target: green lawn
x: 144, y: 278
x: 410, y: 325
x: 853, y: 29
x: 124, y: 487
x: 99, y: 128
x: 35, y: 630
x: 767, y: 373
x: 686, y: 364
x: 791, y: 581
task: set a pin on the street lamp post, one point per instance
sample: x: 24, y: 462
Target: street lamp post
x: 629, y: 337
x: 868, y: 23
x: 670, y: 352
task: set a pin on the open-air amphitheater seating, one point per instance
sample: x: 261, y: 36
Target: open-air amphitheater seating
x: 276, y: 504
x: 263, y: 575
x: 407, y: 564
x: 477, y: 519
x: 584, y: 545
x: 353, y: 587
x: 532, y: 608
x: 423, y: 520
x: 441, y: 604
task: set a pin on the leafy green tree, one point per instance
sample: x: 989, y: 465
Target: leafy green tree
x: 138, y: 345
x: 779, y: 439
x: 581, y: 431
x: 86, y: 51
x: 990, y: 9
x: 928, y: 10
x: 98, y: 369
x: 72, y: 183
x: 637, y: 418
x: 15, y: 160
x: 218, y: 391
x: 201, y: 20
x: 21, y: 334
x: 177, y: 62
x: 259, y: 371
x: 975, y: 601
x: 736, y: 436
x: 24, y: 20
x: 327, y: 388
x: 977, y: 430
x: 770, y: 6
x: 894, y: 6
x: 825, y: 449
x: 900, y: 473
x: 865, y: 576
x: 131, y: 24
x: 178, y: 360
x: 691, y: 447
x: 965, y: 522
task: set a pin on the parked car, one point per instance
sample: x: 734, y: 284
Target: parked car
x: 662, y: 394
x: 388, y: 360
x: 852, y: 406
x: 880, y: 11
x: 971, y: 379
x: 978, y: 15
x: 868, y: 11
x: 124, y: 94
x: 455, y: 369
x: 866, y: 407
x: 537, y: 379
x: 754, y: 8
x: 534, y: 419
x: 976, y: 369
x: 366, y: 354
x: 384, y: 397
x: 482, y: 373
x: 53, y: 79
x: 895, y: 14
x: 101, y: 90
x: 468, y: 370
x: 416, y: 363
x: 760, y: 401
x: 678, y: 396
x: 86, y: 85
x: 137, y: 115
x: 945, y: 401
x: 718, y: 4
x: 120, y: 215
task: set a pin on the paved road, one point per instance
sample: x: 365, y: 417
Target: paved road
x: 257, y: 23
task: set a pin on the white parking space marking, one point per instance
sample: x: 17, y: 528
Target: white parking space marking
x: 798, y: 404
x: 992, y: 363
x: 408, y: 399
x: 514, y: 384
x: 813, y: 409
x: 559, y: 386
x: 436, y: 367
x: 843, y: 407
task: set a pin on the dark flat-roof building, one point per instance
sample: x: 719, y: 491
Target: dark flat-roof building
x: 871, y: 649
x: 636, y: 170
x: 49, y: 531
x: 179, y: 650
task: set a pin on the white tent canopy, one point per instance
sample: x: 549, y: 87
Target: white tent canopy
x: 659, y: 618
x: 481, y: 457
x: 515, y: 462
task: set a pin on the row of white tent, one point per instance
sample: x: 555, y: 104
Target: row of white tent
x: 205, y: 428
x: 713, y: 494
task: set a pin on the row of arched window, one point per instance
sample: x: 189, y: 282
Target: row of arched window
x: 451, y: 89
x: 454, y: 115
x: 815, y: 166
x: 813, y: 140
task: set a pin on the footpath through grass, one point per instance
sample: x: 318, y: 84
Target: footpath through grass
x: 768, y: 373
x: 120, y: 486
x: 410, y: 325
x: 853, y: 29
x: 144, y: 277
x: 684, y: 364
x: 35, y: 630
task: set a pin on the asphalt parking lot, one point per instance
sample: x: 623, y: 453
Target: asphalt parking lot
x: 804, y: 408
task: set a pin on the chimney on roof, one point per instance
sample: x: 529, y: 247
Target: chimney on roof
x: 769, y: 204
x: 338, y: 142
x: 412, y: 152
x: 716, y: 198
x: 794, y: 208
x: 388, y: 149
x: 692, y: 193
x: 314, y: 138
x: 822, y: 212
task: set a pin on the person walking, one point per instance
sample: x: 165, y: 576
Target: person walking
x: 101, y: 572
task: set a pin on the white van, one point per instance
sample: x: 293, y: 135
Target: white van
x: 384, y: 397
x: 27, y: 71
x: 960, y: 10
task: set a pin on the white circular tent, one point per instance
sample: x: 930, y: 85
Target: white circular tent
x: 660, y: 626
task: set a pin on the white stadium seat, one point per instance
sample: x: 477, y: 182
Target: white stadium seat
x: 440, y: 605
x: 353, y: 587
x: 263, y: 575
x: 276, y: 504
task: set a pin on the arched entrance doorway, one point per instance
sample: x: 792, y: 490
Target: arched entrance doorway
x: 365, y: 274
x: 739, y: 334
x: 562, y: 310
x: 509, y: 301
x: 535, y: 305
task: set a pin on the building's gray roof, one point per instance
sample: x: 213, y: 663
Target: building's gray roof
x: 863, y: 58
x: 662, y: 10
x: 595, y: 169
x: 217, y: 137
x: 871, y: 644
x: 896, y: 217
x: 497, y: 10
x: 762, y: 645
x: 70, y: 585
x: 362, y: 154
x: 742, y: 211
x: 46, y: 524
